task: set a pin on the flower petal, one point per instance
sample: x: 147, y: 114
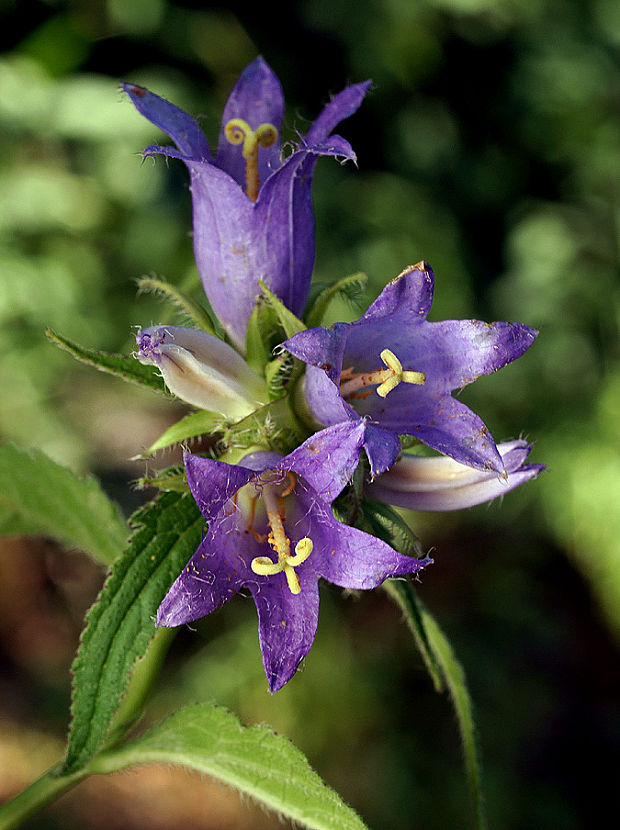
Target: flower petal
x: 353, y: 559
x: 180, y: 126
x: 207, y: 582
x: 213, y: 483
x: 286, y: 624
x: 223, y: 238
x: 340, y: 107
x: 445, y: 424
x: 257, y: 99
x: 410, y: 294
x: 328, y: 459
x: 282, y: 232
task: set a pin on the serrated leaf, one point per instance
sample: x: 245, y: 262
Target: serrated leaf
x: 121, y: 624
x: 439, y: 657
x: 291, y: 324
x: 123, y: 366
x: 254, y: 760
x: 194, y: 310
x: 41, y: 495
x: 351, y: 287
x: 196, y: 423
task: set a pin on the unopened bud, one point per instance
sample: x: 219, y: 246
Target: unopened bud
x: 202, y: 370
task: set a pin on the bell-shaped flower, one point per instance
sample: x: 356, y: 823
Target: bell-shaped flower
x: 441, y: 483
x: 202, y: 370
x: 272, y: 531
x: 396, y: 370
x: 253, y: 214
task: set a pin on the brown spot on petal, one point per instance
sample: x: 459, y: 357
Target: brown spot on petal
x: 138, y: 91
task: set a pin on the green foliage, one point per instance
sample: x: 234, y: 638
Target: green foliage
x: 39, y: 496
x: 194, y: 424
x: 254, y: 760
x: 120, y: 624
x: 443, y: 667
x: 123, y: 366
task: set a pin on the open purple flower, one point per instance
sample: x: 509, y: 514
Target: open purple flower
x: 396, y: 370
x: 253, y: 214
x: 272, y: 531
x: 441, y: 483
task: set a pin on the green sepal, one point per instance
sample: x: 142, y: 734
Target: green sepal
x: 120, y: 625
x: 39, y: 496
x: 171, y: 480
x: 254, y: 760
x: 262, y: 335
x: 383, y: 521
x: 289, y: 322
x: 194, y: 424
x: 196, y: 312
x: 271, y: 425
x: 123, y: 366
x: 351, y: 287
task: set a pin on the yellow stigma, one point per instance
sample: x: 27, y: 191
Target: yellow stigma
x: 238, y: 131
x: 355, y: 385
x: 279, y: 541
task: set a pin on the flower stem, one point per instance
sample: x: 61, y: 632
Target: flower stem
x: 43, y: 791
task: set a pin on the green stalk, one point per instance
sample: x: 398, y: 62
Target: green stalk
x: 43, y: 791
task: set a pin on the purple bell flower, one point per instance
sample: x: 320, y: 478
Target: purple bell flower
x: 397, y: 371
x: 253, y: 214
x: 272, y: 531
x: 441, y: 483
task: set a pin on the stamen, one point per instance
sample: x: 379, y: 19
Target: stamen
x: 279, y: 541
x: 238, y: 131
x: 385, y: 379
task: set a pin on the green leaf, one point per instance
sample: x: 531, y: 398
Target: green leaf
x: 442, y: 663
x: 123, y: 366
x: 351, y: 287
x: 291, y: 324
x: 37, y: 495
x: 194, y: 310
x: 120, y: 624
x: 196, y: 423
x: 401, y: 591
x: 383, y: 521
x: 254, y: 760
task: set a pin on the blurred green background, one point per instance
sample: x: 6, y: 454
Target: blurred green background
x: 489, y: 146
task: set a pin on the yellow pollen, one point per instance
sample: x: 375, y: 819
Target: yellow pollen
x: 355, y: 384
x: 238, y: 131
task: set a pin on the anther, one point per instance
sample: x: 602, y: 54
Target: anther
x: 384, y: 379
x: 238, y: 131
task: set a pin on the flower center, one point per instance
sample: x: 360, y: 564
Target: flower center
x: 238, y: 131
x: 356, y: 384
x: 277, y: 538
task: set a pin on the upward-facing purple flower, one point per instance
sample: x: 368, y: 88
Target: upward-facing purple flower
x: 272, y: 531
x: 253, y: 214
x: 397, y: 370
